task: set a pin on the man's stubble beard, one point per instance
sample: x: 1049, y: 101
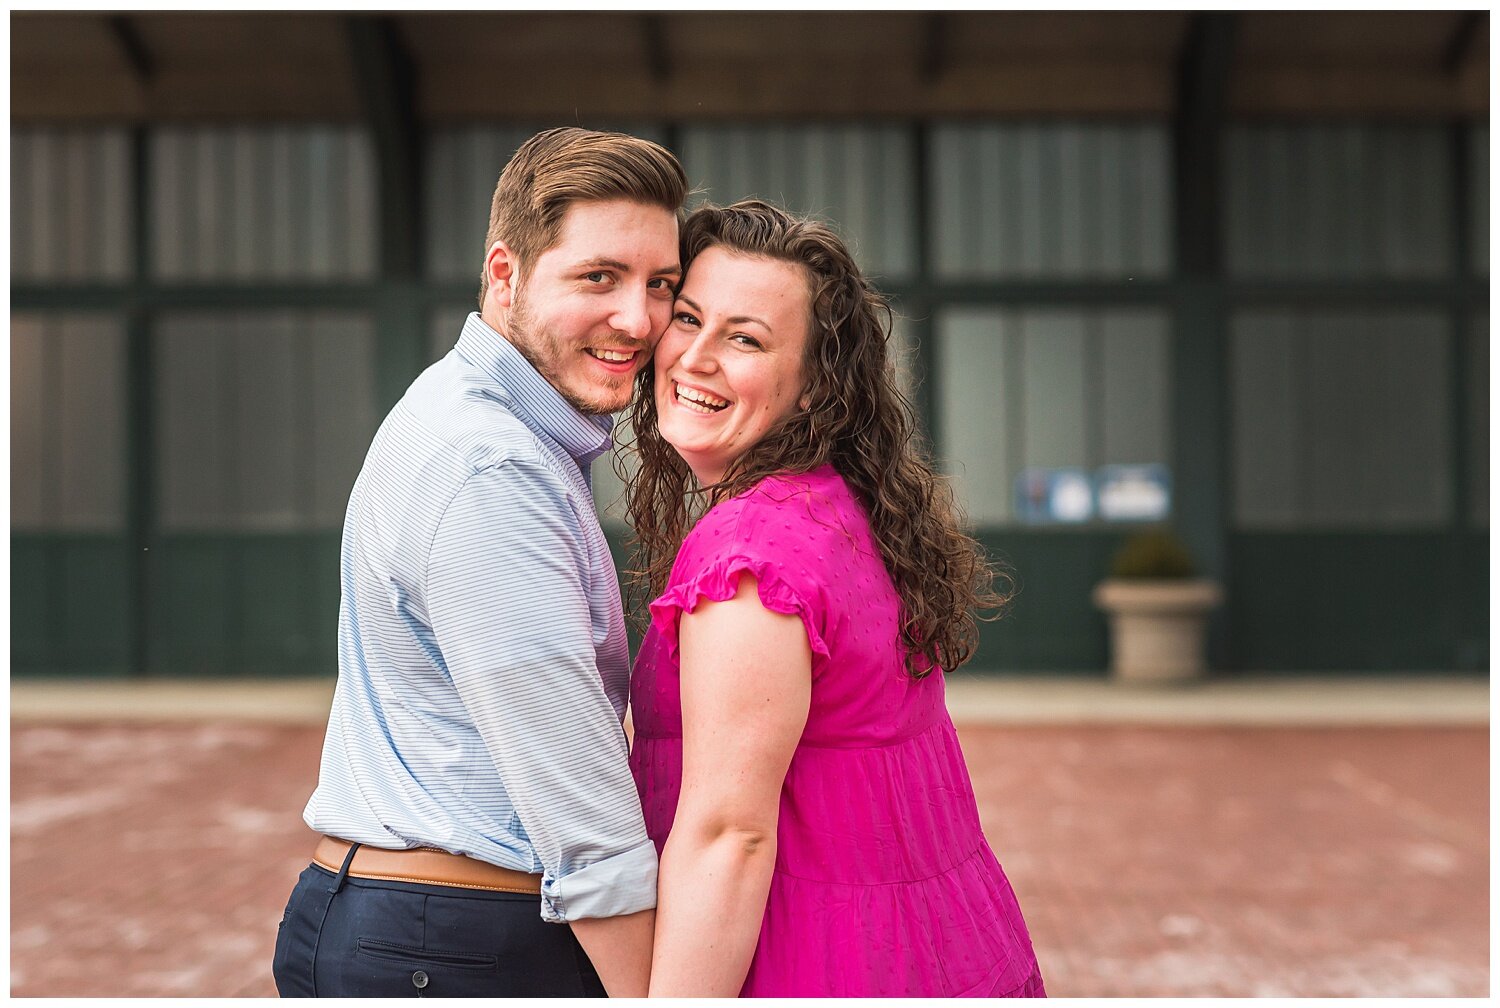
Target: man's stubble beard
x: 522, y: 334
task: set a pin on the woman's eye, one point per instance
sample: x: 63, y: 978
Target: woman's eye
x: 746, y: 341
x: 686, y: 318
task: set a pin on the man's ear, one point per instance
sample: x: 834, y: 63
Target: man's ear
x: 503, y: 272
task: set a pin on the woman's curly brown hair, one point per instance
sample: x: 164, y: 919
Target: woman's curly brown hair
x: 856, y: 418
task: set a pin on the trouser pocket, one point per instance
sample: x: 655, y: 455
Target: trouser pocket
x: 436, y: 957
x: 391, y: 968
x: 297, y: 937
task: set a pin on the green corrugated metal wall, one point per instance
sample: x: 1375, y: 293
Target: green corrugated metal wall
x: 152, y: 532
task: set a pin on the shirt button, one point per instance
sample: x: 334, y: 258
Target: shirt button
x: 419, y: 979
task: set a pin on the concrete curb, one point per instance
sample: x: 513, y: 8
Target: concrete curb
x: 972, y: 698
x: 1261, y: 700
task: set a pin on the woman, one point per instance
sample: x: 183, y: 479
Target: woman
x: 797, y: 765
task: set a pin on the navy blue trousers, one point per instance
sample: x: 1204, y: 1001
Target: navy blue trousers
x: 351, y: 937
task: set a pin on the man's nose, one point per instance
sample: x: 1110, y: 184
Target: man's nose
x: 632, y: 316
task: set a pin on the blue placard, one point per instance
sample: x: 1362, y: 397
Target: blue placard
x: 1051, y: 496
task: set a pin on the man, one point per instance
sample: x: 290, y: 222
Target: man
x: 482, y: 833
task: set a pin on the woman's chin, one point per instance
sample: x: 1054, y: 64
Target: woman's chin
x: 698, y: 461
x: 683, y: 449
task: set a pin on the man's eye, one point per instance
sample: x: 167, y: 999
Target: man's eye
x: 661, y: 283
x: 596, y: 277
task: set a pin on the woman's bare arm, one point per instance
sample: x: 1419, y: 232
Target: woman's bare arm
x: 746, y: 684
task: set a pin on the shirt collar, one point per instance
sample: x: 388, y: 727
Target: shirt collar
x: 533, y: 398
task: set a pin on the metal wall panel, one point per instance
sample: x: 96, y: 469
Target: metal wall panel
x: 1339, y: 202
x: 28, y: 423
x: 256, y: 204
x: 1340, y: 420
x: 268, y: 433
x: 1134, y: 365
x: 360, y: 231
x: 858, y: 178
x: 68, y: 422
x: 193, y: 387
x: 1047, y: 388
x: 1148, y: 152
x: 462, y: 166
x: 263, y: 418
x: 321, y: 163
x: 1054, y: 389
x: 1414, y: 479
x: 341, y: 363
x: 91, y: 422
x: 70, y: 205
x: 1266, y: 420
x: 972, y: 379
x: 1339, y: 478
x: 1050, y: 201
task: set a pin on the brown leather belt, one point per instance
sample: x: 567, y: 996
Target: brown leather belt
x: 423, y: 864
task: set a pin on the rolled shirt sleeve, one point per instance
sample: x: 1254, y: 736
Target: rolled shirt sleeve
x: 509, y: 607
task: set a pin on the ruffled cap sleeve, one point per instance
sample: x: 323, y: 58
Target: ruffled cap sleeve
x: 751, y: 535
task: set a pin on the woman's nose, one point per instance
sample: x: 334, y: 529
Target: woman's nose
x: 698, y: 355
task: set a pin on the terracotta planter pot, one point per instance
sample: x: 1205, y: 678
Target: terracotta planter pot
x: 1156, y: 628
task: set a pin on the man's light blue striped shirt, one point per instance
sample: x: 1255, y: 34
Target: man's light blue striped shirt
x: 483, y: 662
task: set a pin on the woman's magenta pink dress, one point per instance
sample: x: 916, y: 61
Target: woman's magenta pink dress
x: 884, y: 884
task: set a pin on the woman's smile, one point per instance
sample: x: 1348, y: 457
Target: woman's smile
x: 698, y: 400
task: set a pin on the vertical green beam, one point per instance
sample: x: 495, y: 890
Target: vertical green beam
x: 1459, y: 309
x: 140, y: 405
x: 56, y: 554
x: 387, y: 84
x: 1461, y: 561
x: 1200, y: 375
x: 919, y: 304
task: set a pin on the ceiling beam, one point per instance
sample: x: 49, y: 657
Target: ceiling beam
x: 658, y: 60
x: 1463, y: 42
x: 137, y: 55
x: 1204, y: 66
x: 701, y: 90
x: 933, y: 58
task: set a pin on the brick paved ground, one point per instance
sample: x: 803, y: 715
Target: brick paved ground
x: 155, y: 859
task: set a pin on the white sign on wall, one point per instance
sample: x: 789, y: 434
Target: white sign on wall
x: 1133, y: 493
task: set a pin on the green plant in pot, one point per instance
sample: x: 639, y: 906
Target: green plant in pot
x: 1158, y: 610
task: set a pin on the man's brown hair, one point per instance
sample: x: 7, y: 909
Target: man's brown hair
x: 558, y: 167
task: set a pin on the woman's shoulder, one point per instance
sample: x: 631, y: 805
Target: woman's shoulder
x: 799, y: 503
x: 784, y: 518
